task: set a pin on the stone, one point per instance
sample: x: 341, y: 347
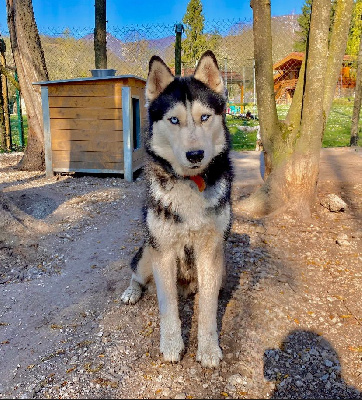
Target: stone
x: 333, y: 203
x: 235, y: 380
x: 342, y: 240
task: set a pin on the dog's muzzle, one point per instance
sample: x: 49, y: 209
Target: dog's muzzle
x: 195, y: 156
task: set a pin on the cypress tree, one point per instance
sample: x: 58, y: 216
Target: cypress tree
x: 195, y: 42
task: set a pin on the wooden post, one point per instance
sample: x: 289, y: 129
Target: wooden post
x: 5, y: 100
x: 47, y: 133
x: 241, y: 85
x: 127, y: 133
x: 20, y: 115
x: 179, y: 28
x: 100, y: 35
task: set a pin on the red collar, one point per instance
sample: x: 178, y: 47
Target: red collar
x: 199, y: 180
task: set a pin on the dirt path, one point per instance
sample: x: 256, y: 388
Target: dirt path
x: 290, y: 314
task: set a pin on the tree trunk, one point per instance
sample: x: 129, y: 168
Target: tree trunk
x: 100, y: 35
x: 293, y: 146
x: 337, y: 48
x: 5, y: 100
x: 2, y: 124
x: 30, y: 64
x: 357, y: 99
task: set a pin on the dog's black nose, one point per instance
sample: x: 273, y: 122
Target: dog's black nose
x: 195, y: 156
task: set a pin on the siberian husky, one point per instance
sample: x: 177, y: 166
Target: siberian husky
x: 188, y: 211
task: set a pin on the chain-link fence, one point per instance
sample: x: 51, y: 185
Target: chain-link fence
x: 286, y: 74
x: 69, y: 53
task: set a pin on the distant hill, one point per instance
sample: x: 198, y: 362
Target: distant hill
x: 121, y: 48
x: 162, y: 44
x: 113, y: 44
x: 134, y: 41
x: 130, y: 48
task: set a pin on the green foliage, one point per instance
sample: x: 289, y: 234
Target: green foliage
x: 214, y: 41
x: 355, y: 30
x: 337, y: 132
x: 304, y: 23
x: 67, y: 57
x: 338, y: 129
x: 241, y: 140
x: 15, y: 131
x: 195, y: 42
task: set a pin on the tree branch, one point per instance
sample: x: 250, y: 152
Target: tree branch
x: 316, y: 65
x: 337, y: 48
x: 293, y: 117
x: 5, y: 71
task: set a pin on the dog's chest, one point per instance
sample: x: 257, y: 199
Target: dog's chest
x: 191, y: 210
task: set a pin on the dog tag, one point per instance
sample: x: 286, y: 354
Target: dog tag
x: 199, y: 182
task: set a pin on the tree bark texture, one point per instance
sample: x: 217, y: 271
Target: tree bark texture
x: 30, y: 64
x: 293, y: 146
x: 100, y: 35
x: 267, y: 110
x: 357, y: 99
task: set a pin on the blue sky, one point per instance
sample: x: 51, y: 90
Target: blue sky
x: 80, y: 13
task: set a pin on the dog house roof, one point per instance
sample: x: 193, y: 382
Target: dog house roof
x: 45, y: 83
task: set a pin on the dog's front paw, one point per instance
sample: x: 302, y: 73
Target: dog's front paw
x: 132, y: 294
x: 209, y: 354
x: 171, y: 346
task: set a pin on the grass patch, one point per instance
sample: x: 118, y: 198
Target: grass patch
x: 241, y: 140
x: 337, y: 132
x: 15, y: 132
x: 338, y: 129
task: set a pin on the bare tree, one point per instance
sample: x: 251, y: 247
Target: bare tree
x: 357, y: 99
x: 4, y: 104
x: 30, y: 64
x: 293, y: 146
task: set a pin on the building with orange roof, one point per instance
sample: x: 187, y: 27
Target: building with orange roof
x: 286, y: 74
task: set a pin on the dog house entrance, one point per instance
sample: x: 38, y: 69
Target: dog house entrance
x: 136, y: 123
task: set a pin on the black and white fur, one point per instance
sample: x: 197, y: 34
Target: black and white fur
x: 186, y: 225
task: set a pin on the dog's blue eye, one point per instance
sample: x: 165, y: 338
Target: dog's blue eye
x: 174, y: 120
x: 204, y: 117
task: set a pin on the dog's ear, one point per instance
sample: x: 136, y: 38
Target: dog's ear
x: 207, y: 71
x: 159, y: 77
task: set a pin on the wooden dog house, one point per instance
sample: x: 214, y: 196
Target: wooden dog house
x: 93, y: 125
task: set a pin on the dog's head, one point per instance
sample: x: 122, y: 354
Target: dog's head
x: 187, y: 126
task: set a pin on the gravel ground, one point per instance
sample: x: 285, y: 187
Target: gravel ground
x: 289, y: 318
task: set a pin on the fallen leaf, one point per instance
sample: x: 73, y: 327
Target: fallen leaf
x: 357, y: 349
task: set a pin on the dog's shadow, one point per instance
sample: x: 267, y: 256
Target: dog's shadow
x: 188, y: 307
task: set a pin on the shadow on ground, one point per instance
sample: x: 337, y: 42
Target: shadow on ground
x: 306, y: 366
